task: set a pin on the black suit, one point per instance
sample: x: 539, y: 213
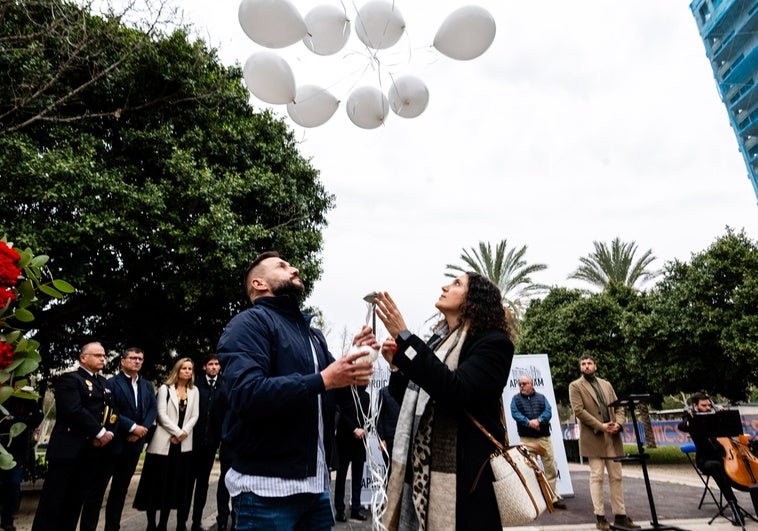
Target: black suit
x: 124, y: 455
x: 206, y: 438
x: 351, y: 451
x: 80, y: 402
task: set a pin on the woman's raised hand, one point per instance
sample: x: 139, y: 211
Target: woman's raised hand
x: 387, y: 311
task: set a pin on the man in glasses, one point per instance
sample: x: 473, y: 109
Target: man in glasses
x: 532, y: 413
x: 84, y: 428
x: 134, y: 399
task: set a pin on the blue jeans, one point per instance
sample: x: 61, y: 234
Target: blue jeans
x: 302, y: 512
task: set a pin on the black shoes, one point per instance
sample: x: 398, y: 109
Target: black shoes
x: 340, y: 517
x: 358, y: 514
x: 559, y: 504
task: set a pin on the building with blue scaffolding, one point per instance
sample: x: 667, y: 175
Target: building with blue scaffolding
x: 729, y: 29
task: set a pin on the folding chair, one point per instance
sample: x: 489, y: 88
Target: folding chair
x: 689, y: 450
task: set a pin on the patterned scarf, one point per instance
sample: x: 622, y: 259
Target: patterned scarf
x: 421, y: 490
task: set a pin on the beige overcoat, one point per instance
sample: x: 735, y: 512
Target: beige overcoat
x: 587, y: 410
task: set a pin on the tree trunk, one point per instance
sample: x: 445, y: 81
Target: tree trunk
x: 647, y: 426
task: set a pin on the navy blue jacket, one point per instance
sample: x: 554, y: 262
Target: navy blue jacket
x: 128, y: 414
x: 526, y: 408
x: 273, y: 385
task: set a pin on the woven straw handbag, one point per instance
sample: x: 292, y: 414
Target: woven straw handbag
x: 521, y: 489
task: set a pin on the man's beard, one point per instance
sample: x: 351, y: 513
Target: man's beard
x: 289, y: 287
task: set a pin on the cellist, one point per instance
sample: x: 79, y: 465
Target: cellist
x: 708, y: 452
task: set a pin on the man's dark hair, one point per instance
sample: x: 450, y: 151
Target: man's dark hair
x: 697, y: 397
x: 587, y: 357
x: 210, y: 357
x: 136, y: 350
x: 258, y: 259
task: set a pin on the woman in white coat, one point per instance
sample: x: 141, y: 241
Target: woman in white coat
x: 166, y: 474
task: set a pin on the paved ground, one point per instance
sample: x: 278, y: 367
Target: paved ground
x: 676, y: 491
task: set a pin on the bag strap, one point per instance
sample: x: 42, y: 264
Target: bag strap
x: 487, y: 434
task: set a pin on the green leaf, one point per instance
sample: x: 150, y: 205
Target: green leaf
x: 52, y: 292
x: 11, y: 336
x: 26, y: 289
x: 23, y: 315
x: 26, y: 366
x: 6, y: 460
x: 5, y: 392
x: 63, y: 286
x: 17, y: 429
x: 39, y: 260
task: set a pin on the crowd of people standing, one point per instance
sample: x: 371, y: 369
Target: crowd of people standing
x: 278, y: 373
x: 101, y: 429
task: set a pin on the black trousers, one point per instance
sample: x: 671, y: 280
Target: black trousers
x: 67, y: 484
x: 202, y: 463
x: 119, y: 470
x: 715, y: 469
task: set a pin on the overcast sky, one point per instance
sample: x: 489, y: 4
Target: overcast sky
x: 583, y: 121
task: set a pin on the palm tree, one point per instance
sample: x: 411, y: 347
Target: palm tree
x: 508, y: 270
x: 615, y: 265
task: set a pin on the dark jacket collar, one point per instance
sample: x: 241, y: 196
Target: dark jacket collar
x: 284, y: 304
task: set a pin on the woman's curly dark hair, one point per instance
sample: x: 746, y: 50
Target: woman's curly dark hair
x: 483, y: 309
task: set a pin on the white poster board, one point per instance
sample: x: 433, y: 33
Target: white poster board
x: 537, y: 367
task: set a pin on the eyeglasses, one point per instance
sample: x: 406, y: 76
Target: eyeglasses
x: 139, y: 360
x: 522, y: 384
x: 97, y: 355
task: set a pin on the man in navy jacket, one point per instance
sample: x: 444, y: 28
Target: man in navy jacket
x: 134, y: 398
x: 279, y: 374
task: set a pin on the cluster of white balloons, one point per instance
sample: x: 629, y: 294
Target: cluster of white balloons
x: 465, y: 34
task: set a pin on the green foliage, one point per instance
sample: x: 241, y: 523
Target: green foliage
x: 27, y: 282
x: 508, y: 270
x: 569, y: 323
x: 615, y: 265
x: 144, y: 171
x: 701, y: 334
x: 662, y: 455
x: 696, y: 330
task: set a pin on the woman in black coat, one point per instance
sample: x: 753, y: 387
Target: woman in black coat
x: 438, y: 451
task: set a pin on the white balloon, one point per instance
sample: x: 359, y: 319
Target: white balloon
x: 466, y: 33
x: 367, y: 107
x: 269, y: 78
x: 408, y: 96
x: 328, y: 30
x: 313, y: 106
x: 379, y: 24
x: 271, y: 23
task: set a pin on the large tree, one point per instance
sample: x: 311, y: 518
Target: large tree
x: 136, y: 161
x: 614, y: 265
x: 701, y: 332
x: 570, y: 323
x: 507, y: 268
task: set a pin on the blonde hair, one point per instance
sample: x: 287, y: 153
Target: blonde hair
x: 173, y: 376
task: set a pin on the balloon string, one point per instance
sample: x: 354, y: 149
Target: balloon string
x: 377, y: 471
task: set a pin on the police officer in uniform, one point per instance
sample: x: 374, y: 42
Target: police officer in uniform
x: 84, y: 427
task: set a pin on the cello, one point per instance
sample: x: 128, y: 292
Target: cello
x: 740, y: 464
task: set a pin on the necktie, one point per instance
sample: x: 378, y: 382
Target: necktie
x: 212, y: 383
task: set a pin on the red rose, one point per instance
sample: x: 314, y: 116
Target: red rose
x: 9, y: 270
x: 7, y: 296
x: 6, y: 354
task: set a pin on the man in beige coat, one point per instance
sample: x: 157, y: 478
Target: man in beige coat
x: 600, y: 439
